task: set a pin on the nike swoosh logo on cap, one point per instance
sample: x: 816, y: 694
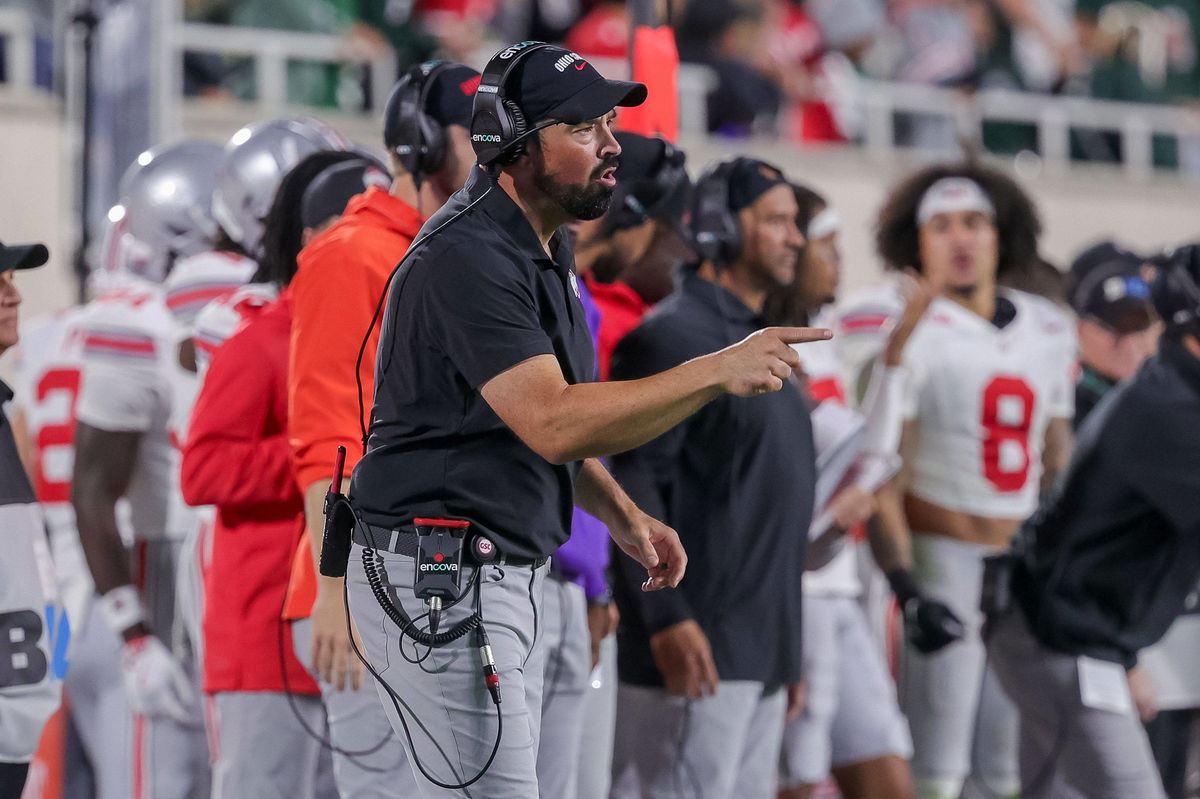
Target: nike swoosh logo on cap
x: 579, y: 65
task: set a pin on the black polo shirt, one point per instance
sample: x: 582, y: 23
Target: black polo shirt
x: 477, y: 298
x: 1112, y: 555
x: 737, y: 481
x: 15, y: 488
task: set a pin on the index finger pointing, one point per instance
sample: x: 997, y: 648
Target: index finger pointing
x: 802, y: 335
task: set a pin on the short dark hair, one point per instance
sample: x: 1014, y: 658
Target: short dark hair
x: 1016, y: 220
x: 283, y: 231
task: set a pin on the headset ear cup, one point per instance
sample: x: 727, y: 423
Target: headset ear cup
x: 433, y: 149
x: 516, y: 128
x: 732, y: 242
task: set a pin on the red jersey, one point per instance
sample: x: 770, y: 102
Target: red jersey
x: 238, y: 458
x: 621, y: 310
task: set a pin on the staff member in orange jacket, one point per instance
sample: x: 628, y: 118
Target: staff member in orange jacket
x: 340, y: 280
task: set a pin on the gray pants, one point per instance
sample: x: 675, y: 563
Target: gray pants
x: 724, y: 746
x: 261, y: 751
x: 131, y: 754
x: 599, y: 724
x: 568, y: 664
x: 1066, y: 748
x: 445, y: 703
x: 356, y: 723
x: 962, y: 723
x: 851, y: 715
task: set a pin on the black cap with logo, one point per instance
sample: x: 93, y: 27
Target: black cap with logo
x: 1107, y: 285
x: 553, y: 83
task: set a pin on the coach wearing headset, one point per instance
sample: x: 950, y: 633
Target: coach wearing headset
x: 708, y: 672
x: 340, y: 277
x: 483, y: 414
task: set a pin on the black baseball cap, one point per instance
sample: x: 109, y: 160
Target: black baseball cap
x: 328, y: 193
x: 651, y: 182
x: 553, y: 83
x: 22, y: 256
x: 452, y: 95
x: 1106, y: 284
x: 750, y: 179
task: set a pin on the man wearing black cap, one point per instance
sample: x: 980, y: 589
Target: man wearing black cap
x: 707, y: 673
x: 340, y: 277
x: 1102, y: 570
x: 1117, y: 325
x: 30, y: 618
x: 484, y: 416
x: 629, y: 256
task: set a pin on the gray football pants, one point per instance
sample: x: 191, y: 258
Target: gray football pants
x: 135, y: 755
x: 1066, y: 748
x: 568, y: 665
x: 724, y: 746
x: 962, y: 723
x: 261, y: 750
x: 371, y: 762
x: 445, y: 703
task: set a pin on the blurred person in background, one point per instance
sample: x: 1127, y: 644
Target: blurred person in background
x: 708, y: 672
x: 346, y: 267
x: 727, y: 36
x: 629, y: 258
x: 129, y: 383
x: 851, y: 726
x: 988, y: 399
x: 1117, y: 326
x: 133, y: 404
x: 32, y: 626
x: 1102, y: 571
x: 266, y: 712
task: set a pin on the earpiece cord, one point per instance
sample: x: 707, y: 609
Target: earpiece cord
x: 362, y: 348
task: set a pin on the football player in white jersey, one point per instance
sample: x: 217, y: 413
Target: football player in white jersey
x: 124, y: 451
x: 49, y: 370
x: 851, y: 726
x: 987, y: 404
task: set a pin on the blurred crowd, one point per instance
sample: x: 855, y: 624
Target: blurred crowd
x: 783, y: 67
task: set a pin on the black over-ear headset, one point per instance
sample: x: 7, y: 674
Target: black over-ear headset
x: 416, y: 139
x: 498, y: 126
x: 716, y: 232
x: 663, y: 186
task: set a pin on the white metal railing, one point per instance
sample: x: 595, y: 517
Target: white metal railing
x: 878, y: 102
x: 270, y: 50
x: 1053, y: 117
x: 273, y: 49
x: 17, y: 30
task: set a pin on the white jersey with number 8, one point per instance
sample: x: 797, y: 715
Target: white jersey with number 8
x: 982, y: 397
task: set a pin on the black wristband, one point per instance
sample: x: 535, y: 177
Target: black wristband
x: 904, y: 585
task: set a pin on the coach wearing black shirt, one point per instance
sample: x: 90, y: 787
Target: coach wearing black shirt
x: 704, y: 670
x: 482, y: 413
x: 1104, y: 568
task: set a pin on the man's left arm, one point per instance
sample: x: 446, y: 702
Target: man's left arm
x: 638, y: 534
x: 1056, y: 453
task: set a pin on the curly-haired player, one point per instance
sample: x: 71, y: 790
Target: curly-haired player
x: 987, y: 402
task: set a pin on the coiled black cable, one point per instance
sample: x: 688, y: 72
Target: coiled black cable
x: 401, y: 619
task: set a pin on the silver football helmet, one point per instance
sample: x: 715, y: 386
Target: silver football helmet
x: 254, y: 162
x: 167, y: 195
